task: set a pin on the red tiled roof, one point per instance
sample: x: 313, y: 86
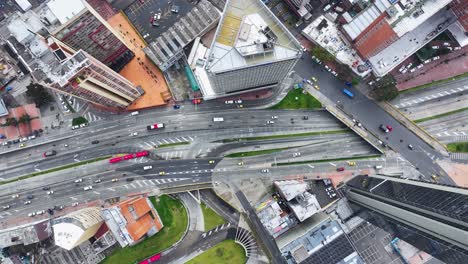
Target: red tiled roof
x: 376, y: 37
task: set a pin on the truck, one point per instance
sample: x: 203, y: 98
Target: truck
x: 155, y: 126
x: 49, y: 153
x: 218, y: 119
x: 348, y: 93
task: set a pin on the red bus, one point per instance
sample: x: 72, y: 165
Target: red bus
x: 141, y: 154
x: 129, y: 156
x: 151, y: 259
x: 115, y: 160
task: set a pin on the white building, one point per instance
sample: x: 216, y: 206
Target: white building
x: 74, y: 228
x: 252, y: 50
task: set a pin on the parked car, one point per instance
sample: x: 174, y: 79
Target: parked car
x: 265, y: 170
x: 340, y: 169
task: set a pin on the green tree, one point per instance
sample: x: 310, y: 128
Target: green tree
x: 25, y: 118
x: 11, y: 121
x: 322, y: 54
x: 38, y: 94
x: 385, y: 89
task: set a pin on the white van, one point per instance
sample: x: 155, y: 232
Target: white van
x: 147, y: 167
x: 135, y: 113
x: 378, y: 167
x: 218, y: 119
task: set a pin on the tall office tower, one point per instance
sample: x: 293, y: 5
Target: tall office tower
x: 76, y: 227
x: 85, y: 77
x: 252, y: 50
x: 431, y: 217
x: 82, y: 27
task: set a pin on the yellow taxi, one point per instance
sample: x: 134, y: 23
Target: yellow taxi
x: 162, y: 173
x: 211, y: 161
x: 351, y: 163
x: 317, y: 87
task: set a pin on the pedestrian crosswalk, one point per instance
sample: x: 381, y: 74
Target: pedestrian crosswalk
x: 459, y: 156
x: 431, y: 97
x: 151, y: 144
x: 460, y: 136
x: 91, y: 117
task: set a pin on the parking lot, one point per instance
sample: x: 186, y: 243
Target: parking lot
x: 141, y: 14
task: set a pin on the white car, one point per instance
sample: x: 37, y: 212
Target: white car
x: 6, y: 206
x: 32, y: 214
x: 149, y: 167
x: 88, y: 188
x: 83, y: 125
x: 97, y: 181
x: 23, y: 139
x: 75, y: 204
x: 270, y: 122
x: 135, y: 113
x: 50, y: 192
x: 296, y: 154
x: 134, y: 134
x: 229, y: 102
x: 40, y: 212
x: 265, y: 170
x: 274, y: 117
x: 115, y: 180
x: 27, y: 202
x: 78, y: 180
x: 14, y: 196
x: 419, y: 66
x: 239, y: 101
x: 435, y: 58
x: 32, y: 137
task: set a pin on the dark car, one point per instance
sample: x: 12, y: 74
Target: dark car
x: 129, y: 179
x: 95, y: 142
x: 383, y: 128
x: 46, y: 188
x: 15, y: 141
x: 30, y: 196
x: 176, y: 106
x: 305, y: 118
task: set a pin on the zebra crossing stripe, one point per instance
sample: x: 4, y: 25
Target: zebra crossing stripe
x: 157, y: 181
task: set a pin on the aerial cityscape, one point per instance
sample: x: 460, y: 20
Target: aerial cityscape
x: 234, y: 131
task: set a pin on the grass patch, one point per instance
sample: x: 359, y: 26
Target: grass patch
x: 223, y: 253
x: 295, y: 99
x: 458, y: 147
x: 419, y: 87
x: 440, y: 115
x: 175, y: 220
x: 76, y: 164
x: 285, y: 136
x: 253, y: 153
x: 326, y: 160
x: 211, y: 218
x: 79, y: 120
x: 173, y: 144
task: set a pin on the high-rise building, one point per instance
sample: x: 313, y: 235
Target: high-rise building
x: 252, y: 50
x: 85, y: 77
x: 76, y: 227
x: 431, y: 217
x: 132, y: 220
x: 83, y: 26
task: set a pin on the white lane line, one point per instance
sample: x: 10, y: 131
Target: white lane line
x: 460, y: 89
x: 139, y: 183
x: 126, y: 186
x: 184, y: 139
x: 172, y: 141
x: 163, y: 181
x: 439, y: 94
x: 191, y: 138
x: 37, y: 169
x: 77, y: 160
x: 148, y: 144
x: 73, y: 198
x: 144, y: 182
x: 433, y: 96
x: 333, y: 164
x: 178, y: 140
x: 152, y: 143
x: 165, y: 141
x: 110, y: 189
x: 96, y: 192
x: 310, y: 166
x: 169, y: 180
x: 157, y: 181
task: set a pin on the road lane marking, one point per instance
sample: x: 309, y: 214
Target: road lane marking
x: 191, y: 138
x: 184, y: 139
x: 133, y: 186
x: 157, y: 181
x: 148, y: 144
x: 110, y: 189
x: 77, y: 160
x: 126, y: 186
x: 165, y: 141
x: 333, y: 164
x: 310, y: 166
x: 178, y: 140
x: 96, y: 192
x: 73, y: 198
x: 139, y: 184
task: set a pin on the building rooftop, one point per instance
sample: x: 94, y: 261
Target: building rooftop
x: 132, y: 219
x: 274, y: 219
x: 319, y: 241
x: 25, y: 235
x: 291, y: 188
x: 249, y: 34
x: 304, y: 206
x: 408, y: 44
x: 65, y: 10
x: 375, y: 38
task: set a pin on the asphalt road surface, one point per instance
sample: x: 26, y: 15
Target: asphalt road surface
x: 372, y: 116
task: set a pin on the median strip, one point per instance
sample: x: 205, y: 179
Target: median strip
x: 441, y: 115
x: 173, y: 144
x: 253, y: 153
x: 315, y: 133
x: 54, y: 169
x: 325, y: 160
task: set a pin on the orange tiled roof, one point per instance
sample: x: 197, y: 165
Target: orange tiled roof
x: 140, y: 222
x: 375, y: 38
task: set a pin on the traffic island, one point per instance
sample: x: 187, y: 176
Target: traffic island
x: 227, y: 251
x: 296, y: 99
x: 175, y: 220
x: 211, y: 218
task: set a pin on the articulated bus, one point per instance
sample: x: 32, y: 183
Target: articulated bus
x: 115, y: 160
x: 151, y: 259
x: 141, y: 154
